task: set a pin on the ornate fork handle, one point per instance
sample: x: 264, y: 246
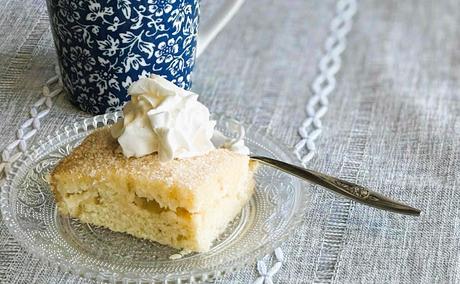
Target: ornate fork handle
x: 345, y: 188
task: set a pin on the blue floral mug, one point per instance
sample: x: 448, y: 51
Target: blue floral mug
x: 105, y: 45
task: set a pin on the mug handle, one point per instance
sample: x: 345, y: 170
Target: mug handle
x: 216, y: 23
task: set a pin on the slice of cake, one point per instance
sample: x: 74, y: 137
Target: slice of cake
x: 183, y: 203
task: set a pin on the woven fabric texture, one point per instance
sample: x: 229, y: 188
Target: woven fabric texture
x: 393, y: 124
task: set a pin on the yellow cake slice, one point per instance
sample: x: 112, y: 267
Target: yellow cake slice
x: 182, y: 203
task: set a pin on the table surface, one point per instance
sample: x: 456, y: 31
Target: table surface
x: 393, y: 124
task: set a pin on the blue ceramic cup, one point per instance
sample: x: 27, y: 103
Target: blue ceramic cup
x: 105, y: 45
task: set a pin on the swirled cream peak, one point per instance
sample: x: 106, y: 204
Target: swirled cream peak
x: 233, y: 144
x: 163, y: 118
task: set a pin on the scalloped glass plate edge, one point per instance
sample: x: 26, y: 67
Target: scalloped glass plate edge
x: 199, y: 275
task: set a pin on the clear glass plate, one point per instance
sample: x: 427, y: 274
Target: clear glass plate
x: 29, y: 210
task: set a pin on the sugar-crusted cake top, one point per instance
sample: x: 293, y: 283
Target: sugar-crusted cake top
x: 99, y: 156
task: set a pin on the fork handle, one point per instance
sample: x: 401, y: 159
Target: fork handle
x: 342, y: 187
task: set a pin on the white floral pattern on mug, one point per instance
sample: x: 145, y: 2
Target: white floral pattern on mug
x: 105, y: 45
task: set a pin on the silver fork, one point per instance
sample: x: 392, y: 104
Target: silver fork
x: 342, y: 187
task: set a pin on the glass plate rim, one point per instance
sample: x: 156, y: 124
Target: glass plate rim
x: 218, y: 269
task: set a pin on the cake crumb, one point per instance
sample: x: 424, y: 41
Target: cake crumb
x: 175, y: 256
x: 185, y: 252
x: 181, y: 254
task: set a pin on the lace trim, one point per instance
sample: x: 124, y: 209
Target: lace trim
x: 317, y: 106
x: 30, y: 127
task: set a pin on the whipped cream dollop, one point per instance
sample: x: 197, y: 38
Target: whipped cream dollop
x: 236, y: 144
x: 170, y: 121
x: 163, y: 118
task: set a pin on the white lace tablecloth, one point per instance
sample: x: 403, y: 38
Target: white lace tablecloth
x: 392, y: 123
